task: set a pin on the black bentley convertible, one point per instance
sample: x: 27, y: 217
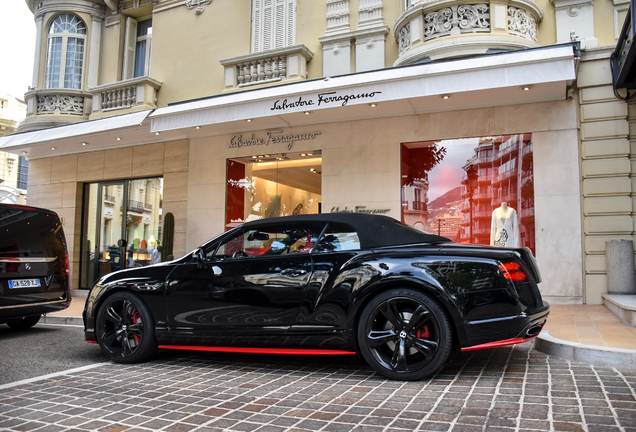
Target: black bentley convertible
x: 323, y: 284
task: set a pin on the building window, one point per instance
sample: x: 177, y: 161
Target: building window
x: 475, y: 190
x: 273, y: 185
x: 23, y: 173
x: 65, y: 52
x: 138, y: 45
x: 273, y: 24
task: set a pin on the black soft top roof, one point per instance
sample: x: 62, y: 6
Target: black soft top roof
x: 373, y: 230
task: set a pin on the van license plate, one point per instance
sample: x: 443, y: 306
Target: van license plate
x: 24, y: 283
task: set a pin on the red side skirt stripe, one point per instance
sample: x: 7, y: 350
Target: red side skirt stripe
x: 245, y: 350
x: 512, y: 341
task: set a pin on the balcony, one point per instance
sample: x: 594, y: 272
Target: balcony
x: 136, y: 94
x: 512, y: 148
x: 273, y: 66
x: 135, y: 206
x: 433, y: 30
x: 55, y: 107
x: 527, y: 213
x: 526, y: 150
x: 418, y: 206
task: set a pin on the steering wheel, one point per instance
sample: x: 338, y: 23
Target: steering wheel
x: 239, y: 253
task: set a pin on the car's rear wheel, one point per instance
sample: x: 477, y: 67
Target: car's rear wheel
x: 24, y: 322
x: 405, y: 335
x: 125, y: 328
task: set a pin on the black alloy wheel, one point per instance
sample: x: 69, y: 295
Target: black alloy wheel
x: 24, y: 323
x: 125, y: 328
x: 405, y: 335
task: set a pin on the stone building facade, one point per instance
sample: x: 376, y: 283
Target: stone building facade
x: 335, y: 105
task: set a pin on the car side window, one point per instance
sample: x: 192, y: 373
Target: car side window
x: 338, y: 238
x: 270, y: 241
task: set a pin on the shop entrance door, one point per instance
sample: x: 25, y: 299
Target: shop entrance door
x: 121, y: 227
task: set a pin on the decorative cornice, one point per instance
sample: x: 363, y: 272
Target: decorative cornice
x: 352, y: 35
x: 197, y: 5
x: 134, y: 81
x: 291, y: 50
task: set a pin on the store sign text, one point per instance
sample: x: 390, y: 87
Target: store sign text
x: 273, y: 137
x: 321, y: 99
x: 359, y: 209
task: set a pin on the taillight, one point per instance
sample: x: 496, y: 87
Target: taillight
x: 68, y: 268
x: 512, y: 271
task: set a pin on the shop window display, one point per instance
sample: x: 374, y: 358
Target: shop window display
x: 476, y: 190
x: 121, y: 226
x: 272, y: 185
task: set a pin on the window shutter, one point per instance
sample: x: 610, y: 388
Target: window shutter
x: 279, y: 25
x: 130, y: 44
x: 273, y: 24
x: 268, y: 25
x: 290, y: 31
x: 257, y: 25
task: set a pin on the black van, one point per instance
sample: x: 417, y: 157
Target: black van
x: 34, y: 267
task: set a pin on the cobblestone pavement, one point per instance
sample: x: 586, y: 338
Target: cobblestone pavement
x: 504, y: 389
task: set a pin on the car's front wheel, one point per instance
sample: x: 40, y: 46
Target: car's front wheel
x: 125, y: 328
x: 405, y: 335
x: 24, y: 323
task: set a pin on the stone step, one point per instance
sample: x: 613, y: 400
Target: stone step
x: 623, y: 306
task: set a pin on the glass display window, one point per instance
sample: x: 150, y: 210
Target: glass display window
x: 121, y: 226
x: 272, y: 185
x: 474, y: 190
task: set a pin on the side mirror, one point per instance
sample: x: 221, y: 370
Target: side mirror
x: 199, y: 257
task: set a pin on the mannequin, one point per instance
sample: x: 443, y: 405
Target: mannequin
x: 504, y: 229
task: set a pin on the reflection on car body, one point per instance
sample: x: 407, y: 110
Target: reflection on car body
x: 324, y: 284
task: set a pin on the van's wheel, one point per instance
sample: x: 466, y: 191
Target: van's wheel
x: 125, y: 328
x: 405, y: 335
x: 24, y: 323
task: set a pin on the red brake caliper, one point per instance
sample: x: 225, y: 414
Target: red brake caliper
x: 423, y: 332
x: 137, y: 320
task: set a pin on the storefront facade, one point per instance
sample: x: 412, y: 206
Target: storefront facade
x: 516, y: 146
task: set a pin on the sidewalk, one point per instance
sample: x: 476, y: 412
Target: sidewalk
x: 588, y: 333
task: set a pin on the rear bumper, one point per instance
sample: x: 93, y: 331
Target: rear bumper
x: 506, y: 330
x: 40, y: 308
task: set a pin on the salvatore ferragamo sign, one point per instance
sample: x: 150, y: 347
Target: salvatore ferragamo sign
x: 328, y: 98
x: 273, y: 137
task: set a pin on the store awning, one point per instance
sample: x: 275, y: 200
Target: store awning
x: 61, y: 136
x: 490, y: 80
x: 483, y: 81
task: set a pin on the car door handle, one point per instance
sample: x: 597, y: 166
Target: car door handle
x: 293, y: 272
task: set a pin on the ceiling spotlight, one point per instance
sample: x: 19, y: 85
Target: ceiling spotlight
x: 373, y: 105
x: 53, y: 148
x: 156, y: 133
x: 307, y: 112
x: 526, y: 87
x: 249, y: 120
x: 24, y: 152
x: 197, y: 127
x: 84, y: 143
x: 446, y: 96
x: 303, y: 154
x: 118, y: 139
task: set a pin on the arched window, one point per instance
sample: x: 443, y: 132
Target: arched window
x: 65, y: 52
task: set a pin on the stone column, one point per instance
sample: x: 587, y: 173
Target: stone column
x: 39, y: 22
x: 620, y: 267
